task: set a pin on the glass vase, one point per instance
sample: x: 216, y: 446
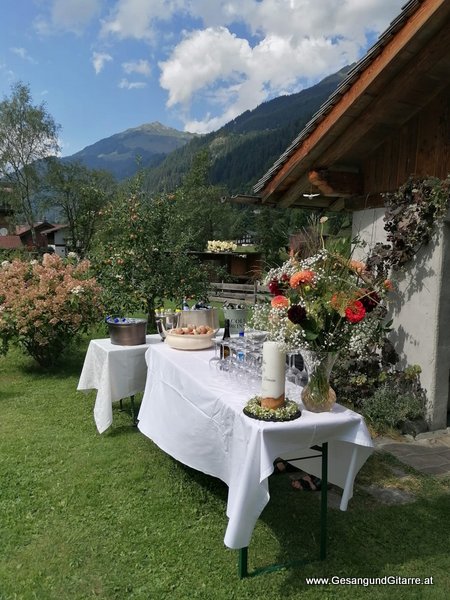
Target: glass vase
x: 318, y: 395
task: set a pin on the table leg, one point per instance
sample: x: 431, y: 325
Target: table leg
x: 243, y: 563
x: 120, y: 405
x: 133, y: 411
x: 243, y: 552
x: 324, y: 502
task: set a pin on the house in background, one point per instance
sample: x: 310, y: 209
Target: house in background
x: 24, y: 232
x: 9, y: 242
x: 389, y: 119
x: 57, y: 238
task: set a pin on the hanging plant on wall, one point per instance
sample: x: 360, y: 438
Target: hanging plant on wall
x: 411, y: 215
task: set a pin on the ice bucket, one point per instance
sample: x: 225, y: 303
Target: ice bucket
x: 127, y: 331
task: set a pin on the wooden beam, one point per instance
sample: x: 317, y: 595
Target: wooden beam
x: 336, y: 183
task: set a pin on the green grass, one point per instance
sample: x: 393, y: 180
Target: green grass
x: 110, y: 516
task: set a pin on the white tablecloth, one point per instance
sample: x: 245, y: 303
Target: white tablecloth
x: 195, y: 415
x: 116, y: 372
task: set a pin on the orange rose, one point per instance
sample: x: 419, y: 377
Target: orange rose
x: 279, y: 302
x: 301, y: 277
x: 357, y: 266
x: 339, y: 302
x: 388, y: 285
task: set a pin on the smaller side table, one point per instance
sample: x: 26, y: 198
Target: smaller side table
x: 116, y: 372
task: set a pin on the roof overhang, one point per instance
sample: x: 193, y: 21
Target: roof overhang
x: 409, y: 65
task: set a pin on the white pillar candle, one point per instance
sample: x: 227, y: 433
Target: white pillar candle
x: 273, y: 371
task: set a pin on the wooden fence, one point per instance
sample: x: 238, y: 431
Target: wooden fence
x: 238, y: 293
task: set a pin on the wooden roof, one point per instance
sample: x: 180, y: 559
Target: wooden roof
x: 407, y: 67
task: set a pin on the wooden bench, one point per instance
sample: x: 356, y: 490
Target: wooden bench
x: 238, y: 293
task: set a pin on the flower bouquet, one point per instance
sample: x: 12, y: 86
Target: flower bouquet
x: 323, y: 305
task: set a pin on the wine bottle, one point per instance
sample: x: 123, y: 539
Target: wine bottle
x: 225, y: 348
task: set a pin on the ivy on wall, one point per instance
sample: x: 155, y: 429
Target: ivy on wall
x: 411, y: 215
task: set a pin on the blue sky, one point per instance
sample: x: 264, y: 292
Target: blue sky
x: 103, y: 66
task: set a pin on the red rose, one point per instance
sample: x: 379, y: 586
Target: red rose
x: 274, y: 287
x: 355, y: 312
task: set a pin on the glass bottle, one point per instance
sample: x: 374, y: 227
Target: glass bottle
x: 225, y: 348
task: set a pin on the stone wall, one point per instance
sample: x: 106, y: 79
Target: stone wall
x: 421, y: 311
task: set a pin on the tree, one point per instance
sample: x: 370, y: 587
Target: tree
x: 80, y: 193
x: 141, y: 254
x: 28, y: 135
x: 206, y: 216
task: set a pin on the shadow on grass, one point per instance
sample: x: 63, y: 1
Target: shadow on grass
x: 368, y: 540
x: 68, y: 365
x: 360, y: 542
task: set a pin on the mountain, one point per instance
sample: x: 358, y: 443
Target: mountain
x: 119, y: 153
x: 244, y: 149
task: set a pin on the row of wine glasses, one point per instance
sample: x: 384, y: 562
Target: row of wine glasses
x: 240, y: 359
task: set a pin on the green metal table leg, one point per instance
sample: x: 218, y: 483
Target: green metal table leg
x: 243, y: 563
x: 243, y: 552
x: 324, y: 502
x: 133, y: 411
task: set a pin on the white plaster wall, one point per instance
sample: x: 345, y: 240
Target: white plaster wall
x: 368, y: 225
x: 60, y: 242
x: 418, y: 312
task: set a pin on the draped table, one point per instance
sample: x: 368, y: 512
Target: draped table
x: 193, y: 413
x: 116, y: 372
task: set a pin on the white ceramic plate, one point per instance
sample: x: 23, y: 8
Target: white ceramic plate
x: 190, y: 342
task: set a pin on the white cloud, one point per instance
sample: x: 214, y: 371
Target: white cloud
x: 132, y: 85
x: 99, y: 59
x: 22, y: 52
x: 68, y: 15
x: 295, y: 44
x: 202, y: 58
x: 137, y: 18
x: 137, y: 66
x: 234, y: 54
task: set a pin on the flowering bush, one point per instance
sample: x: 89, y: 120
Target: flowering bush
x: 43, y: 304
x: 221, y: 246
x: 324, y: 303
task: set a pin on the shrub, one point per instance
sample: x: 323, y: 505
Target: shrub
x: 384, y: 395
x: 389, y: 407
x: 44, y: 304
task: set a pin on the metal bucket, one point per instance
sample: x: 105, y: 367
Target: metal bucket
x: 128, y: 331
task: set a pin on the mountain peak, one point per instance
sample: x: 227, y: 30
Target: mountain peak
x: 119, y: 153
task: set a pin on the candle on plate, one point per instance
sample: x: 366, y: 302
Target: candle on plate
x: 273, y: 376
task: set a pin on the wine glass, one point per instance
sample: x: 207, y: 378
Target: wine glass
x: 293, y: 374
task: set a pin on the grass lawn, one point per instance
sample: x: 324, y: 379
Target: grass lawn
x: 110, y: 516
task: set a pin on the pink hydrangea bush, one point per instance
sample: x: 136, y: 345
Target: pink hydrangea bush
x: 44, y: 304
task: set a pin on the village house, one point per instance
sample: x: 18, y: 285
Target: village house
x: 388, y: 120
x: 57, y: 238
